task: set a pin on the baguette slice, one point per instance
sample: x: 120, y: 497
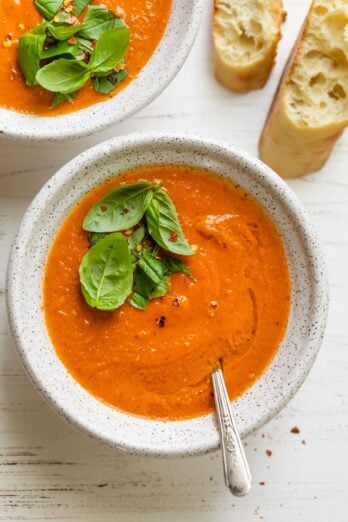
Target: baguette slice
x: 310, y: 108
x: 246, y: 34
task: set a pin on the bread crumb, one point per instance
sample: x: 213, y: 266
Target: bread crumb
x: 269, y: 453
x: 295, y: 430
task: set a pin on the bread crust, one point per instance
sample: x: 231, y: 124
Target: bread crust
x: 243, y: 77
x: 289, y: 149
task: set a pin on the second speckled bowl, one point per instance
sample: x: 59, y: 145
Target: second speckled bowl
x: 168, y: 58
x: 309, y: 297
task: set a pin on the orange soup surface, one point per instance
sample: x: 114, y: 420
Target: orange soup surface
x: 234, y: 306
x: 146, y: 21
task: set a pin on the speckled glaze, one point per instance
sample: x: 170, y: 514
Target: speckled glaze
x: 165, y: 63
x: 309, y: 292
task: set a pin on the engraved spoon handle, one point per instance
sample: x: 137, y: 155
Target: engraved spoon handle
x: 236, y: 468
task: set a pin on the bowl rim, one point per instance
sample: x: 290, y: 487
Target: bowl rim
x: 21, y: 126
x: 293, y: 204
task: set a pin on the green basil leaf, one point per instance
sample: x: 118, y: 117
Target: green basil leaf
x: 94, y: 237
x: 152, y: 268
x: 59, y: 98
x: 173, y: 266
x: 136, y: 238
x: 84, y: 44
x: 138, y: 301
x: 63, y: 75
x: 142, y: 289
x: 105, y: 84
x: 48, y: 8
x: 79, y: 6
x: 98, y: 19
x: 106, y: 273
x: 161, y: 289
x: 61, y: 48
x: 39, y: 29
x: 29, y: 52
x: 163, y: 225
x: 110, y: 49
x: 62, y: 31
x: 122, y: 208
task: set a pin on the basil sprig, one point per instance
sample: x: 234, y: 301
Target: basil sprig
x: 62, y: 55
x: 126, y: 208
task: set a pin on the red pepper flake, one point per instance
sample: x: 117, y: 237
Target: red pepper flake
x: 161, y: 321
x: 213, y: 304
x: 295, y: 430
x: 103, y: 209
x: 176, y: 302
x: 125, y: 211
x: 173, y: 236
x: 268, y: 453
x: 72, y: 40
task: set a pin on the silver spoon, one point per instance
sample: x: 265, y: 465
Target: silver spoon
x: 236, y: 468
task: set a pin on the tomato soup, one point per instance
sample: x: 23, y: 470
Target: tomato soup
x: 234, y: 306
x: 146, y: 21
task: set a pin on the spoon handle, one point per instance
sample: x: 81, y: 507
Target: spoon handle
x: 236, y: 468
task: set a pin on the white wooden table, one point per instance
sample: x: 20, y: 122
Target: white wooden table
x: 48, y: 471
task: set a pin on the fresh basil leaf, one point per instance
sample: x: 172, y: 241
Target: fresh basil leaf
x: 106, y: 273
x: 138, y: 301
x: 61, y: 48
x: 122, y: 208
x: 62, y: 31
x: 103, y: 85
x: 48, y: 8
x: 39, y: 29
x: 79, y: 6
x: 142, y: 289
x: 84, y: 44
x: 63, y: 75
x: 94, y: 237
x: 173, y: 266
x: 136, y: 238
x: 163, y: 225
x: 59, y: 98
x: 110, y: 49
x: 29, y: 52
x: 161, y: 289
x: 98, y: 19
x: 152, y: 268
x: 106, y: 84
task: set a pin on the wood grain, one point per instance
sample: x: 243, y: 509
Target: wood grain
x: 48, y: 471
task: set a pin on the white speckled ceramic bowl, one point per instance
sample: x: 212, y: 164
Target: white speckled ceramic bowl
x: 309, y: 297
x: 164, y: 64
